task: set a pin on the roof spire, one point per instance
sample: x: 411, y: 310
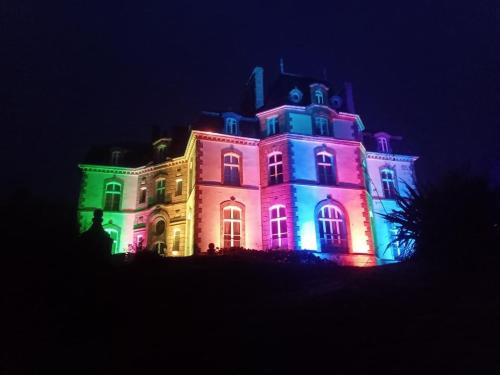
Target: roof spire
x: 282, y: 66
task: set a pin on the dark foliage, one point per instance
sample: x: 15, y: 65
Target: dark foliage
x: 455, y: 222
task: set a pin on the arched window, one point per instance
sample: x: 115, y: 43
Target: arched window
x: 318, y: 96
x: 112, y: 196
x: 277, y: 218
x: 326, y: 168
x: 332, y: 228
x: 159, y: 227
x: 231, y: 168
x: 275, y: 165
x: 231, y: 126
x: 322, y: 125
x: 114, y: 233
x: 232, y: 225
x: 160, y: 190
x: 387, y: 177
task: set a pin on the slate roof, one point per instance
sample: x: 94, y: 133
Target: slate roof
x: 214, y: 122
x: 137, y: 154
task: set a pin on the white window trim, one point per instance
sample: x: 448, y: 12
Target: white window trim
x: 384, y: 145
x: 326, y: 164
x: 115, y: 194
x: 272, y: 123
x: 322, y: 124
x: 335, y: 222
x: 231, y: 125
x: 232, y: 221
x: 273, y: 166
x: 319, y: 96
x: 278, y: 221
x: 388, y: 181
x: 231, y: 164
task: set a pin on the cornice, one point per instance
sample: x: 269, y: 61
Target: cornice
x: 219, y: 137
x: 390, y: 157
x: 313, y: 138
x: 130, y: 171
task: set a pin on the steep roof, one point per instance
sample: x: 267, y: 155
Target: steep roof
x: 279, y: 92
x: 136, y: 154
x: 214, y: 122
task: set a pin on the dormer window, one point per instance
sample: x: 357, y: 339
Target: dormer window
x: 272, y: 125
x: 319, y: 97
x: 231, y: 126
x: 161, y: 149
x: 295, y: 95
x: 116, y: 156
x: 322, y: 125
x: 383, y: 144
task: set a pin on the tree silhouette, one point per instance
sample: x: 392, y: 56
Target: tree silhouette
x: 453, y: 222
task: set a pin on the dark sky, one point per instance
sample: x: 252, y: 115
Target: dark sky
x: 77, y: 73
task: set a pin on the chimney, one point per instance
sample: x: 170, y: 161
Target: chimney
x: 349, y: 97
x: 258, y: 79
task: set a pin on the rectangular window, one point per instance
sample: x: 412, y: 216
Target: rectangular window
x: 322, y: 125
x: 232, y: 227
x: 231, y: 169
x: 272, y: 125
x: 112, y: 196
x: 177, y: 240
x: 278, y: 227
x: 275, y: 168
x: 388, y: 183
x: 178, y: 187
x: 160, y: 190
x: 324, y: 164
x: 142, y: 196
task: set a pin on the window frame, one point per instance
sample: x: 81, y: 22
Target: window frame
x: 323, y: 165
x: 176, y: 240
x: 385, y: 182
x: 319, y: 96
x: 231, y: 125
x: 336, y: 221
x: 115, y: 202
x: 160, y: 191
x: 272, y: 122
x: 322, y: 123
x: 178, y: 187
x: 383, y: 144
x: 231, y: 165
x: 234, y: 205
x: 274, y: 177
x: 281, y: 237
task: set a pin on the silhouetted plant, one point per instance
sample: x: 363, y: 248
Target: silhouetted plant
x: 455, y: 221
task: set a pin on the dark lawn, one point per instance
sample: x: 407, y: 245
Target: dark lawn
x: 236, y: 315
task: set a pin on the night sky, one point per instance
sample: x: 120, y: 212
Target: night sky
x: 78, y: 73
